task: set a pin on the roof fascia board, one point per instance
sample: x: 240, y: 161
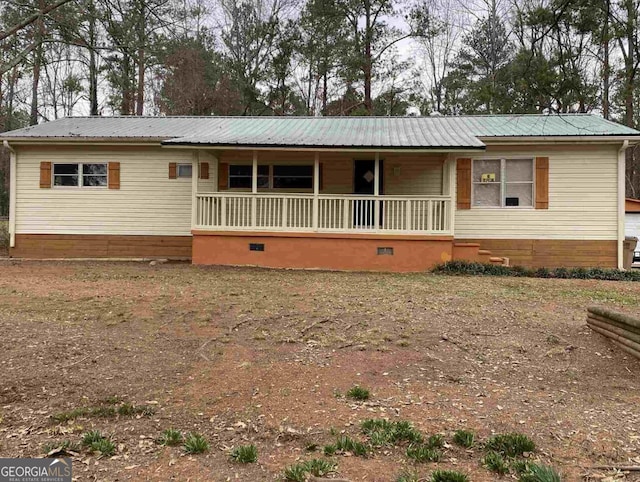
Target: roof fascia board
x: 560, y: 140
x: 321, y: 149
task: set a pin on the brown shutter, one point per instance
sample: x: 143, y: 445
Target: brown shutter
x: 114, y: 175
x: 204, y: 170
x: 463, y: 179
x: 542, y: 183
x: 321, y: 176
x: 45, y: 175
x: 223, y: 176
x: 173, y: 170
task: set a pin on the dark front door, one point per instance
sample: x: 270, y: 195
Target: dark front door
x: 363, y: 183
x: 363, y: 174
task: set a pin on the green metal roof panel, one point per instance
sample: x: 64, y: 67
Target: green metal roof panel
x: 325, y: 132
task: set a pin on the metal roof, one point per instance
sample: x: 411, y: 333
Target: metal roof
x: 324, y: 132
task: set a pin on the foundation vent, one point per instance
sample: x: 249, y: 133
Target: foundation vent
x: 385, y: 251
x: 256, y: 246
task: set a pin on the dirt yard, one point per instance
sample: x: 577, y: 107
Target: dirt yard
x: 265, y: 357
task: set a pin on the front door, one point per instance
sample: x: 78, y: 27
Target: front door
x: 363, y: 183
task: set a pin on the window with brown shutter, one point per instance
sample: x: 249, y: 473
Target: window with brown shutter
x: 173, y: 170
x: 45, y: 175
x: 204, y: 170
x: 463, y: 180
x: 223, y: 176
x: 542, y: 183
x: 114, y: 175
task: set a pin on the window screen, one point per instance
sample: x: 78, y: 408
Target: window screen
x: 293, y: 177
x: 503, y: 183
x: 240, y: 176
x: 80, y: 175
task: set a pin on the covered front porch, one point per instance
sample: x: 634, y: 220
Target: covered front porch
x: 307, y: 192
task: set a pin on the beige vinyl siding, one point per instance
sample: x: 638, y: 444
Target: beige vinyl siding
x: 582, y: 198
x: 404, y: 174
x: 147, y: 203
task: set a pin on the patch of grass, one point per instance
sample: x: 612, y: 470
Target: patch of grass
x: 448, y: 476
x: 464, y: 438
x: 315, y: 467
x: 62, y: 417
x: 382, y: 432
x: 129, y: 410
x: 510, y: 444
x: 344, y: 443
x: 408, y: 476
x: 330, y: 449
x: 359, y: 393
x: 102, y: 412
x: 105, y: 446
x: 423, y: 453
x: 62, y: 446
x: 170, y: 438
x: 245, y: 454
x: 92, y: 436
x: 520, y: 466
x: 435, y: 441
x: 494, y: 462
x: 539, y: 473
x: 482, y: 269
x: 195, y: 443
x: 295, y: 473
x: 320, y: 467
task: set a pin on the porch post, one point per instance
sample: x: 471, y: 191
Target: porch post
x: 254, y: 190
x: 376, y: 192
x: 195, y: 175
x: 451, y: 192
x: 316, y: 190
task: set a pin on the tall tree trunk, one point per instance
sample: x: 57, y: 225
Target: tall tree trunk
x: 37, y: 64
x: 606, y: 68
x: 629, y: 63
x: 140, y: 90
x: 325, y: 86
x: 367, y: 67
x: 93, y: 66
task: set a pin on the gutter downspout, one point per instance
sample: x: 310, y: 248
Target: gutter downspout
x: 621, y: 197
x: 12, y: 194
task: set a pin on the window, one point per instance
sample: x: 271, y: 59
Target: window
x: 293, y: 177
x: 503, y: 183
x: 80, y: 175
x: 272, y: 177
x: 241, y: 176
x: 184, y: 170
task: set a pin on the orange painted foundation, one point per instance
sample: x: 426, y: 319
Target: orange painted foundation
x: 322, y: 251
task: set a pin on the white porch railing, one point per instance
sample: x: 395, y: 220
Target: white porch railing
x: 230, y: 211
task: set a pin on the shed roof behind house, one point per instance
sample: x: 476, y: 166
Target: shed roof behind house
x: 632, y: 205
x: 336, y: 132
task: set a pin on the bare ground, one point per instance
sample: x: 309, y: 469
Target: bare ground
x: 265, y: 357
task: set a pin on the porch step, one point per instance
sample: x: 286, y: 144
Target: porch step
x: 499, y: 260
x: 470, y: 252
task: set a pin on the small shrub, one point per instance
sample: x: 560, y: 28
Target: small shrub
x: 448, y: 476
x: 494, y: 462
x: 510, y: 444
x: 170, y: 438
x: 91, y: 437
x: 245, y: 454
x: 345, y: 443
x: 295, y: 473
x: 520, y: 466
x: 471, y: 268
x: 319, y: 467
x: 539, y: 473
x: 105, y: 446
x: 423, y: 453
x: 359, y: 393
x: 195, y: 443
x: 4, y: 231
x: 464, y: 438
